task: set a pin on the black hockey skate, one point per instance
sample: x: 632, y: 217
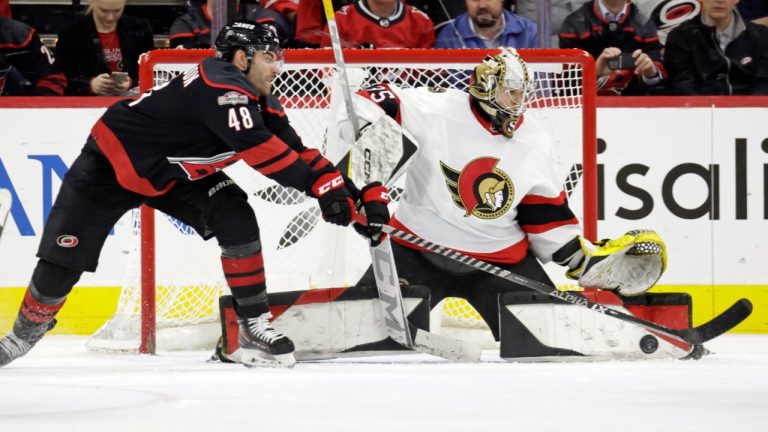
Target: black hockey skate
x: 262, y: 345
x: 24, y: 336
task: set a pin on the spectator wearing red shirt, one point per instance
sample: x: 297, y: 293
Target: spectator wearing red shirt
x: 382, y: 24
x: 286, y: 8
x: 97, y: 50
x: 310, y: 20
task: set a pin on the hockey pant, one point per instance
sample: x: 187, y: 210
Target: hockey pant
x: 91, y: 201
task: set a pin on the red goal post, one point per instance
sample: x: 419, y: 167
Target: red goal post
x: 568, y: 78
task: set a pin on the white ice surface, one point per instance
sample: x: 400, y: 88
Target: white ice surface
x: 60, y: 387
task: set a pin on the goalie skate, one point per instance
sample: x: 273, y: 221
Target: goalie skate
x: 262, y: 346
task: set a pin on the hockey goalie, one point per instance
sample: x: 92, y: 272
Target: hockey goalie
x: 483, y: 183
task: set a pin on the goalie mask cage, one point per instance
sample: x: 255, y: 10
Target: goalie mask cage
x: 173, y: 304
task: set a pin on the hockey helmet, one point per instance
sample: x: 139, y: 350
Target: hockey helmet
x: 249, y: 36
x: 503, y: 84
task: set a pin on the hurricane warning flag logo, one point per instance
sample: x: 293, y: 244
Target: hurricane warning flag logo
x: 480, y: 189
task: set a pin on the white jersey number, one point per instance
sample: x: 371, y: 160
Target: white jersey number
x: 240, y: 116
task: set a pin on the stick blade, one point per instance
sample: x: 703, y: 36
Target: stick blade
x: 448, y: 348
x: 727, y: 320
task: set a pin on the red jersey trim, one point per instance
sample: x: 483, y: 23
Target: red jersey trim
x: 538, y: 229
x: 509, y: 255
x: 224, y: 86
x: 21, y: 45
x: 538, y: 199
x: 275, y: 111
x: 125, y: 173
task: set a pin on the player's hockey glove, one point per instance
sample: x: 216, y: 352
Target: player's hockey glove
x: 630, y: 264
x: 335, y: 201
x: 374, y: 199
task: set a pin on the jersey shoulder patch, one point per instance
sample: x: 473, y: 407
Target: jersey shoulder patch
x: 222, y: 75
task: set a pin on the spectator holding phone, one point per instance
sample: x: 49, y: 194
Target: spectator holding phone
x: 99, y: 52
x: 624, y: 43
x: 718, y: 53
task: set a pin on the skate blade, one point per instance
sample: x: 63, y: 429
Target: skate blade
x: 256, y: 358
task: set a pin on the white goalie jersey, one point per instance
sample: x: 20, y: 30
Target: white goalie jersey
x: 470, y: 188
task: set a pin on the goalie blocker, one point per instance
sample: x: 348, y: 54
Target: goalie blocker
x: 348, y: 322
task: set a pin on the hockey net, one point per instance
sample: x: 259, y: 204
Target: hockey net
x: 181, y: 274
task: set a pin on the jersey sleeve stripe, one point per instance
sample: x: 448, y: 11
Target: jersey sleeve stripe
x: 542, y: 228
x: 126, y: 174
x: 269, y: 157
x: 314, y: 159
x: 538, y: 199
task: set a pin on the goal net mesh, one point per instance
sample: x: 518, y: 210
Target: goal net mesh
x: 300, y: 250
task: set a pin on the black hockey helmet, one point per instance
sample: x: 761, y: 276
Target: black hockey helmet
x: 249, y: 36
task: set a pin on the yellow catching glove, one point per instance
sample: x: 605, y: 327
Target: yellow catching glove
x: 630, y: 264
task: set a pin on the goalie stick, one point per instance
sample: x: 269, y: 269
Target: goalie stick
x: 5, y: 207
x: 390, y: 295
x: 383, y: 152
x: 692, y: 336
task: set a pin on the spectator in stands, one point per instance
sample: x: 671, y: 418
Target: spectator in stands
x: 558, y: 10
x: 718, y: 53
x: 441, y: 12
x: 286, y: 8
x: 5, y: 9
x: 486, y: 24
x: 310, y: 21
x: 382, y: 24
x: 99, y: 52
x: 26, y: 65
x: 609, y: 28
x: 193, y: 29
x: 754, y: 10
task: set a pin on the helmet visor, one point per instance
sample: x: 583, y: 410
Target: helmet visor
x: 512, y: 97
x: 272, y: 54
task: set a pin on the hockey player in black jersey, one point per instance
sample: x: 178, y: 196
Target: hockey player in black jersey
x: 166, y: 150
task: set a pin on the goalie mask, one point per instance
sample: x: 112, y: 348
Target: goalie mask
x: 250, y: 37
x: 503, y: 84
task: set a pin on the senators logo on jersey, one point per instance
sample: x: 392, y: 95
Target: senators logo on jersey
x: 480, y: 189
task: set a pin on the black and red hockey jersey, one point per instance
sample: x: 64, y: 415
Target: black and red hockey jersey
x: 198, y: 123
x: 587, y: 29
x: 26, y: 65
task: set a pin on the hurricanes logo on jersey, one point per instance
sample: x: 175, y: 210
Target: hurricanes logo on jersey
x: 480, y: 189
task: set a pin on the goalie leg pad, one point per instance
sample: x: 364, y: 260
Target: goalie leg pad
x: 535, y: 327
x: 328, y: 323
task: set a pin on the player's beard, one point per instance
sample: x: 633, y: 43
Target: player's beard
x: 486, y: 19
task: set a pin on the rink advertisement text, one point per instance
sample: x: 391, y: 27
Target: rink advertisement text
x: 699, y: 176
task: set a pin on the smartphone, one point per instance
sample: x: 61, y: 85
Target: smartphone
x: 622, y: 61
x: 119, y: 77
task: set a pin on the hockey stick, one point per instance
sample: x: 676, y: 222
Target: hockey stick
x: 382, y: 260
x: 339, y: 56
x: 5, y: 207
x: 692, y: 336
x: 383, y: 152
